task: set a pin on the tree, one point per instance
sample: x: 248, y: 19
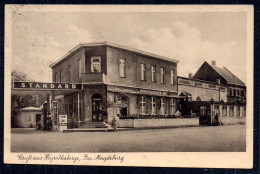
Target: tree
x: 21, y: 100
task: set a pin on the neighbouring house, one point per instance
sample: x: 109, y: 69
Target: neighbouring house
x: 216, y: 85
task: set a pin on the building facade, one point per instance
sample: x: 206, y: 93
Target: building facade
x: 116, y: 81
x: 216, y: 85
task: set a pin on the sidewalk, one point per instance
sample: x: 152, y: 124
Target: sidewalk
x: 124, y: 129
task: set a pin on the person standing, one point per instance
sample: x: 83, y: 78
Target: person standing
x: 114, y: 124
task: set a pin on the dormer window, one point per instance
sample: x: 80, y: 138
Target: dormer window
x: 95, y: 64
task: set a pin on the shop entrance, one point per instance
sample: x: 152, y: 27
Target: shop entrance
x: 97, y: 115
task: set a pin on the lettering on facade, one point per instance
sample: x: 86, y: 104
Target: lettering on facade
x: 137, y: 91
x: 45, y: 86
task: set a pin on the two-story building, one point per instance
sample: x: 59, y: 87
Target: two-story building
x: 214, y: 84
x: 116, y: 80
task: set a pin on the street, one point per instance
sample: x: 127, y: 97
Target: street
x: 228, y: 138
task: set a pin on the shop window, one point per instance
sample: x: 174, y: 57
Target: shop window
x: 217, y: 109
x: 224, y: 111
x: 143, y: 71
x: 61, y: 76
x: 153, y: 103
x: 231, y: 111
x: 69, y: 73
x: 238, y: 111
x: 162, y: 106
x: 95, y: 64
x: 172, y: 106
x: 162, y: 75
x: 153, y: 71
x: 172, y: 77
x: 122, y: 68
x: 79, y: 68
x: 142, y: 105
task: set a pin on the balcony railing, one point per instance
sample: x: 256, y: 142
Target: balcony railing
x: 93, y: 77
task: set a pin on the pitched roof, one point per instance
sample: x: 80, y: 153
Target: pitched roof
x: 105, y: 43
x: 228, y: 76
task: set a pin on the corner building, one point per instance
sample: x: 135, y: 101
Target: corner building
x: 116, y: 81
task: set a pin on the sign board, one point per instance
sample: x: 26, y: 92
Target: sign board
x: 63, y: 122
x: 139, y: 91
x: 46, y: 86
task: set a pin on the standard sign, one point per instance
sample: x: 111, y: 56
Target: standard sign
x: 45, y: 86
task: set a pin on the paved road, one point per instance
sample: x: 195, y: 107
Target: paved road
x: 193, y: 139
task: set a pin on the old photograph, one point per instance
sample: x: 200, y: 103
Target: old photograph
x: 129, y: 85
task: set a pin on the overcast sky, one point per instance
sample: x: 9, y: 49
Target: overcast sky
x: 39, y: 38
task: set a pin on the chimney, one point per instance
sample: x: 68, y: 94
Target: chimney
x: 190, y: 75
x: 213, y: 63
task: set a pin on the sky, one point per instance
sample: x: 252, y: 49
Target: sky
x: 40, y: 38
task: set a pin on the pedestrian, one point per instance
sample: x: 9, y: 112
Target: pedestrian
x: 217, y: 119
x: 114, y: 124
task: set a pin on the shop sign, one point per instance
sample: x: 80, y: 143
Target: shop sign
x: 45, y: 86
x: 137, y: 91
x: 63, y: 122
x: 123, y: 90
x: 149, y: 92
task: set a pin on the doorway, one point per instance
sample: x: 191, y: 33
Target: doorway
x: 97, y: 115
x: 38, y: 119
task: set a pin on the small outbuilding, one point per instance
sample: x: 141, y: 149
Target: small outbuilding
x: 29, y: 117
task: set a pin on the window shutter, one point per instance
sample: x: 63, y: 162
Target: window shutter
x: 138, y: 102
x: 144, y: 71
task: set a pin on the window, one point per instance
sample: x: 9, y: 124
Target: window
x: 162, y: 106
x: 162, y: 75
x: 143, y: 71
x: 224, y: 110
x: 234, y: 92
x: 238, y: 92
x: 28, y: 117
x: 217, y: 109
x: 56, y: 77
x: 238, y: 111
x: 55, y: 111
x: 69, y: 73
x: 172, y: 107
x: 61, y: 76
x: 79, y: 68
x: 172, y: 77
x: 95, y: 64
x: 153, y: 105
x: 122, y: 68
x: 153, y: 71
x: 142, y: 103
x: 231, y: 111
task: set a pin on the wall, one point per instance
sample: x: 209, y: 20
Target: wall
x: 178, y: 122
x: 133, y: 64
x: 73, y: 61
x: 143, y: 123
